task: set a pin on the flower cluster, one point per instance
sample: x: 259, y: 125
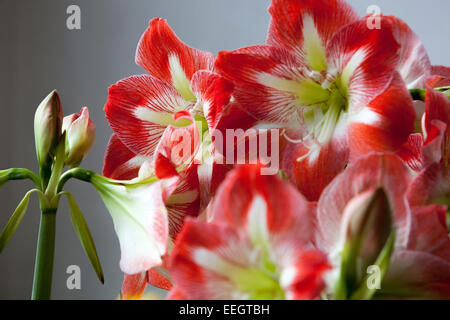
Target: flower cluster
x: 304, y: 168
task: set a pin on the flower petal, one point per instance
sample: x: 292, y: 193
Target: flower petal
x: 421, y: 269
x: 176, y: 294
x: 414, y: 65
x: 304, y: 279
x: 437, y: 107
x: 203, y: 257
x: 180, y: 141
x: 429, y: 231
x: 312, y: 174
x: 245, y: 189
x: 305, y: 26
x: 386, y: 123
x: 184, y: 201
x: 165, y: 57
x: 369, y: 172
x: 417, y: 275
x: 431, y: 185
x: 138, y: 110
x: 267, y: 81
x: 411, y: 152
x: 121, y: 163
x: 140, y: 220
x: 365, y: 60
x: 133, y: 286
x: 157, y: 279
x: 444, y: 74
x: 214, y: 92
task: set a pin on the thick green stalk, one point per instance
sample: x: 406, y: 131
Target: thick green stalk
x: 43, y: 270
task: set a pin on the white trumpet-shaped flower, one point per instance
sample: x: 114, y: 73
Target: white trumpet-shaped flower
x: 140, y: 219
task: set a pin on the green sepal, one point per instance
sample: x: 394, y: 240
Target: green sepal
x: 84, y: 234
x: 15, y: 220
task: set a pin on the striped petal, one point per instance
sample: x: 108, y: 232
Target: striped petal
x: 443, y: 73
x: 306, y: 26
x: 432, y: 185
x: 165, y: 57
x: 216, y: 261
x: 133, y: 286
x: 180, y: 141
x: 414, y: 65
x: 268, y: 82
x: 437, y: 107
x: 214, y: 93
x: 303, y: 280
x: 365, y: 60
x: 416, y: 275
x: 368, y: 173
x: 159, y: 277
x: 311, y: 173
x: 139, y: 109
x: 256, y: 247
x: 120, y: 163
x: 246, y: 188
x: 386, y: 123
x: 421, y: 269
x: 185, y: 200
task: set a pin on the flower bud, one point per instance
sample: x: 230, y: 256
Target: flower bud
x: 368, y: 235
x: 80, y: 137
x: 367, y: 222
x: 47, y: 126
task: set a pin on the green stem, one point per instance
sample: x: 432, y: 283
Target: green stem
x: 78, y: 173
x: 19, y: 174
x: 43, y: 270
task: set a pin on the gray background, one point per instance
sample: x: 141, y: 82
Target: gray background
x: 39, y: 54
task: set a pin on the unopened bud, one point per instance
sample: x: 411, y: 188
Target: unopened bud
x: 80, y: 137
x: 47, y: 126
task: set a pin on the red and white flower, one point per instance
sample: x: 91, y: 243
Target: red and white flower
x: 331, y: 82
x: 256, y: 247
x: 170, y: 116
x: 432, y: 184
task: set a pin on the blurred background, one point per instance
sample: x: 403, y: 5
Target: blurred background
x: 38, y: 54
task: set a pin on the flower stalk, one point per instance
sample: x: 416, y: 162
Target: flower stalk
x: 43, y: 270
x: 56, y: 147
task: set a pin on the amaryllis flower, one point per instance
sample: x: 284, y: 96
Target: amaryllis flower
x: 141, y: 108
x: 258, y: 245
x: 331, y: 82
x: 432, y: 156
x: 154, y: 115
x: 420, y: 261
x: 180, y: 200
